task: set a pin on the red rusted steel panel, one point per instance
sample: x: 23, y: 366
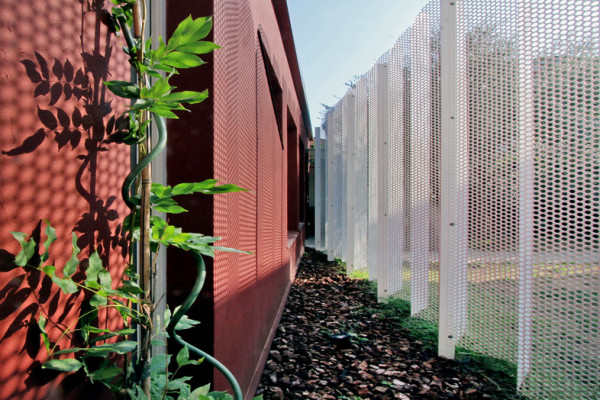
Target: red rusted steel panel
x: 56, y: 114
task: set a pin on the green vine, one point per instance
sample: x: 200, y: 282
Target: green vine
x: 120, y: 359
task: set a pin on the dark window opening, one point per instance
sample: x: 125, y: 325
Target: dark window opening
x: 274, y: 87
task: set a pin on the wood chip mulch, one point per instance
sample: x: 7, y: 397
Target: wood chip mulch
x: 335, y: 342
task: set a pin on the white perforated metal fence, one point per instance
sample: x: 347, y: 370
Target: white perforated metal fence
x: 480, y: 150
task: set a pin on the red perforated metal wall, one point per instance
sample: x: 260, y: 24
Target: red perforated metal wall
x: 246, y: 293
x: 55, y: 165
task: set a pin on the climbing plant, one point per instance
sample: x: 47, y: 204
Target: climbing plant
x: 121, y: 359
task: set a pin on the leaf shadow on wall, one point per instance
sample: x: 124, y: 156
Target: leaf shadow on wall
x: 74, y: 113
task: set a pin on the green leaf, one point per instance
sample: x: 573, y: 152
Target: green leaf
x: 105, y: 279
x: 228, y: 188
x: 230, y: 250
x: 200, y: 28
x: 124, y: 89
x: 159, y: 363
x: 65, y: 284
x: 181, y: 31
x: 49, y: 270
x: 93, y: 270
x: 186, y: 323
x: 202, y: 391
x: 187, y: 96
x: 71, y: 265
x: 160, y: 88
x: 183, y: 356
x: 119, y: 348
x: 142, y: 104
x: 160, y: 190
x: 204, y: 185
x: 163, y: 112
x: 200, y: 47
x: 220, y: 396
x: 182, y: 60
x: 97, y: 300
x: 42, y: 325
x: 105, y: 373
x: 175, y: 209
x: 27, y: 249
x: 69, y: 351
x: 50, y: 238
x: 66, y: 365
x: 183, y: 188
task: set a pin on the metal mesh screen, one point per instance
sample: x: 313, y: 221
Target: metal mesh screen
x: 349, y: 123
x: 397, y: 170
x: 361, y: 206
x: 424, y: 159
x: 335, y: 182
x: 372, y: 173
x: 521, y: 221
x: 343, y: 167
x: 529, y: 75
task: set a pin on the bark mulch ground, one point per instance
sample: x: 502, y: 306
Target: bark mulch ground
x: 336, y: 342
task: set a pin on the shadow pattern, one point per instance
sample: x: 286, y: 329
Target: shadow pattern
x: 84, y: 130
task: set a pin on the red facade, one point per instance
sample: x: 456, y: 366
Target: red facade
x: 55, y: 165
x: 256, y: 135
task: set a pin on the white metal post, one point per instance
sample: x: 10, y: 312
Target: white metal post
x: 329, y: 228
x: 383, y: 188
x: 420, y: 180
x: 526, y: 186
x: 350, y: 121
x: 158, y: 26
x: 318, y: 189
x: 343, y: 166
x: 449, y: 176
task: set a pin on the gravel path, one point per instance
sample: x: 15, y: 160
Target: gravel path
x: 336, y: 342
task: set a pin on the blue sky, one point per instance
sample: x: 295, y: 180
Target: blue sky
x: 337, y: 39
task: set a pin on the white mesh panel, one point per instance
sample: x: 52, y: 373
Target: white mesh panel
x: 425, y: 162
x: 362, y: 189
x: 522, y: 258
x: 337, y: 200
x: 372, y: 171
x: 532, y: 88
x: 344, y: 178
x: 397, y: 171
x: 349, y: 123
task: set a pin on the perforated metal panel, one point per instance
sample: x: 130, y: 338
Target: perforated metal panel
x: 320, y: 189
x: 349, y: 133
x: 424, y: 162
x: 361, y: 212
x: 397, y: 171
x: 343, y: 168
x: 521, y: 200
x: 528, y: 74
x: 372, y: 173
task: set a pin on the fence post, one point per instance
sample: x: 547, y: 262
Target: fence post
x: 329, y: 228
x: 449, y: 183
x: 318, y: 191
x: 350, y: 121
x: 383, y: 172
